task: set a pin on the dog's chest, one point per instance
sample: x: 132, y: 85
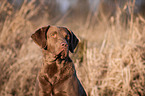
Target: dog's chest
x: 51, y: 69
x: 56, y: 72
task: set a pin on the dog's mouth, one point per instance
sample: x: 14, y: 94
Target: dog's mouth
x: 62, y: 54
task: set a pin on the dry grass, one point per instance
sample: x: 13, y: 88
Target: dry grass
x: 110, y: 63
x: 117, y: 68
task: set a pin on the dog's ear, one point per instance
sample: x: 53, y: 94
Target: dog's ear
x: 73, y: 41
x: 40, y: 37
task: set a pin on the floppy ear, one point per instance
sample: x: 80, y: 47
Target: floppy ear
x: 40, y: 37
x: 73, y: 41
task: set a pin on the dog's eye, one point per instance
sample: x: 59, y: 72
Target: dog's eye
x: 54, y: 35
x: 67, y: 37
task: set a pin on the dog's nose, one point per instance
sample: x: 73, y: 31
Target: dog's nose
x: 64, y: 45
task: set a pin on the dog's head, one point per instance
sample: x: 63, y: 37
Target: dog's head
x: 57, y: 40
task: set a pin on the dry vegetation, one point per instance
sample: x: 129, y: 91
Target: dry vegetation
x: 110, y: 60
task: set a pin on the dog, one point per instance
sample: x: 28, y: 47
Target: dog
x: 57, y: 76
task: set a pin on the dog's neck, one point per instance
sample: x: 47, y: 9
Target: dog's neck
x: 58, y: 68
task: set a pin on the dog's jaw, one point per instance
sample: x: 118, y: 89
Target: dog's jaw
x: 50, y: 57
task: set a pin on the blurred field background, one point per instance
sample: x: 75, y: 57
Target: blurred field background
x: 110, y: 58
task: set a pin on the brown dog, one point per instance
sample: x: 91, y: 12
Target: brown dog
x: 58, y: 75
